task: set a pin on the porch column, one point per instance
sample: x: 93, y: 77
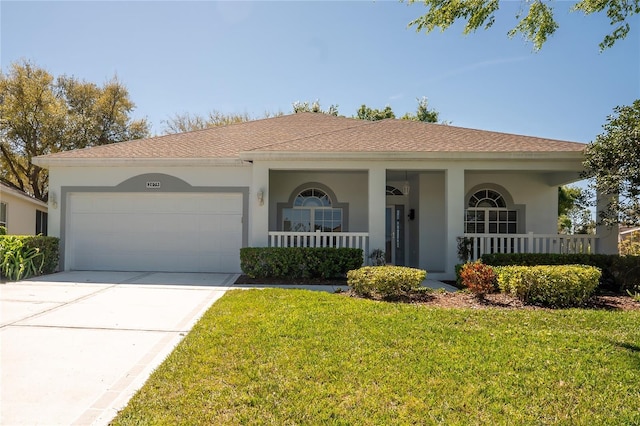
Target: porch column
x: 607, y: 242
x: 377, y: 205
x: 454, y: 213
x: 259, y: 209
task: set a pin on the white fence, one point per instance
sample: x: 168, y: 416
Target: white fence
x: 480, y: 244
x: 320, y: 239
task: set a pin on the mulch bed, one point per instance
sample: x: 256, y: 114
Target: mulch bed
x: 460, y: 299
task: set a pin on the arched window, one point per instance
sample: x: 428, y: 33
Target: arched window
x: 488, y: 213
x: 312, y: 210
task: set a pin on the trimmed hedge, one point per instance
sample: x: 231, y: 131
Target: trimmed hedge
x: 619, y: 273
x: 15, y: 249
x: 549, y: 285
x: 299, y: 262
x: 385, y: 280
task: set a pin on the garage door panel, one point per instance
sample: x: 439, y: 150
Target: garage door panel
x: 155, y: 232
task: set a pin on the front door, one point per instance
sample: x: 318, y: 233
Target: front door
x: 394, y: 235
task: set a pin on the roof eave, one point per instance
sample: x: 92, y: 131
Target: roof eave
x: 403, y: 156
x: 48, y: 162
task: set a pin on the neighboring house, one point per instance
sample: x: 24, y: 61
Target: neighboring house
x: 20, y: 213
x: 190, y: 201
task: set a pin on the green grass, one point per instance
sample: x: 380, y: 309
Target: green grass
x: 299, y: 357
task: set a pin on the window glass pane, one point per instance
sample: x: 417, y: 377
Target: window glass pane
x: 512, y: 228
x: 503, y: 228
x: 3, y: 214
x: 480, y: 228
x: 503, y: 216
x: 480, y: 215
x: 493, y: 215
x: 493, y: 228
x: 513, y: 215
x: 470, y: 228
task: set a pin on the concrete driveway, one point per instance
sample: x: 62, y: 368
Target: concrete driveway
x: 75, y: 346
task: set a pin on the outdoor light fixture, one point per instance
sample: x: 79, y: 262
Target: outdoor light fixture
x: 260, y: 196
x: 406, y: 188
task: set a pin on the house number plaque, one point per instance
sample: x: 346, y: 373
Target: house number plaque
x: 153, y: 184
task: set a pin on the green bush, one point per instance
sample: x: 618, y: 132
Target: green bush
x: 25, y: 256
x: 478, y: 277
x: 299, y: 262
x: 555, y: 286
x: 618, y: 272
x: 385, y: 280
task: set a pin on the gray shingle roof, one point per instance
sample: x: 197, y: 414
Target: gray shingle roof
x: 309, y: 132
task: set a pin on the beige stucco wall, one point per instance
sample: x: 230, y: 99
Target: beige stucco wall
x: 21, y: 213
x: 529, y: 189
x: 60, y: 177
x: 349, y: 187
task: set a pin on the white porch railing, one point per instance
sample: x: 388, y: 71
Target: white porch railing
x: 320, y: 239
x: 530, y: 243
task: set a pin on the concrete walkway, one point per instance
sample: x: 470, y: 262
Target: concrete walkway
x: 75, y: 346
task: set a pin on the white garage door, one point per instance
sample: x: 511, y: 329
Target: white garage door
x: 190, y: 232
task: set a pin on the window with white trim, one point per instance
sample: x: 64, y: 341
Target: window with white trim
x: 312, y: 210
x: 487, y: 213
x: 3, y: 214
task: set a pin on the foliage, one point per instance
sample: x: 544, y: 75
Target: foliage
x: 26, y: 256
x: 613, y: 161
x: 465, y: 248
x: 630, y: 246
x: 574, y: 217
x: 385, y: 280
x: 41, y: 115
x: 555, y: 286
x: 423, y: 113
x: 314, y: 107
x: 536, y: 24
x: 3, y: 230
x: 618, y: 272
x: 378, y: 257
x: 186, y: 122
x: 299, y: 262
x: 370, y: 114
x: 478, y: 277
x: 295, y: 357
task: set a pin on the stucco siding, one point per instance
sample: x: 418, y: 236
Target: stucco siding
x: 531, y: 190
x: 349, y: 187
x: 60, y: 177
x: 21, y: 214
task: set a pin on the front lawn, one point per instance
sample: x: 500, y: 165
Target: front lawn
x: 299, y: 357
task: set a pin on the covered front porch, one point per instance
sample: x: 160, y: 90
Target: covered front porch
x: 415, y: 212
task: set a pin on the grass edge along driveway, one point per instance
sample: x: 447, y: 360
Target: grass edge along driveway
x: 299, y: 357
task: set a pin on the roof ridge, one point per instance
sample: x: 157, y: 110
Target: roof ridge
x: 355, y: 124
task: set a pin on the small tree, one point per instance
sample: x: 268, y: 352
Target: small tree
x: 613, y: 161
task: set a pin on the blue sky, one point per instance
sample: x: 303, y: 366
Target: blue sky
x: 252, y: 57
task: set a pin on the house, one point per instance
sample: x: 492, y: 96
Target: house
x: 20, y: 213
x: 190, y: 201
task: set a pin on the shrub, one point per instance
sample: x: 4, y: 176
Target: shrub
x: 299, y: 262
x: 385, y: 280
x: 478, y: 277
x: 555, y: 286
x: 619, y: 273
x: 25, y: 256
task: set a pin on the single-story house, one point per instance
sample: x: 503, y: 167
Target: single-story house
x: 20, y: 213
x: 190, y: 201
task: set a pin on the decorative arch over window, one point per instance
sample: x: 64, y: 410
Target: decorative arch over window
x: 490, y: 210
x: 392, y: 190
x: 313, y: 207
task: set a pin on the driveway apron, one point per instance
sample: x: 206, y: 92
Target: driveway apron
x: 75, y: 346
